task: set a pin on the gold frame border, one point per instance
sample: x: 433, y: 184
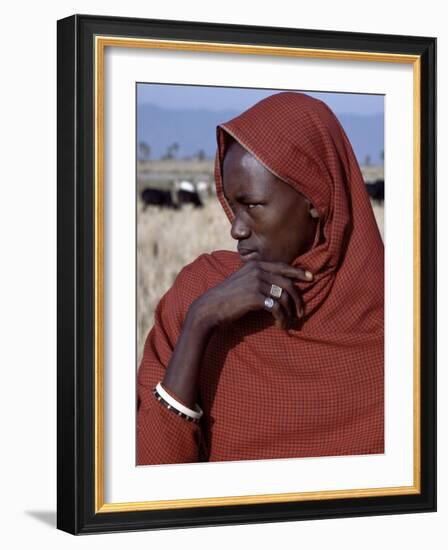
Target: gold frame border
x: 101, y: 42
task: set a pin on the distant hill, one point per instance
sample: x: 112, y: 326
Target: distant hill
x: 195, y: 129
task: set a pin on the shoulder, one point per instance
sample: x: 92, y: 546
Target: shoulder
x: 209, y: 269
x: 206, y: 271
x: 220, y: 261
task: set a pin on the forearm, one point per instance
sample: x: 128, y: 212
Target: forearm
x: 182, y: 372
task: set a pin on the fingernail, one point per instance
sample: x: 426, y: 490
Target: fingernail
x: 308, y: 275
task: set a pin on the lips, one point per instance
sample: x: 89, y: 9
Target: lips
x: 246, y: 254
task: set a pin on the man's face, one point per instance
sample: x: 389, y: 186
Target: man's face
x: 272, y: 220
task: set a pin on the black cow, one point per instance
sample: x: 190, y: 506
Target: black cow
x: 376, y: 190
x: 189, y: 197
x: 157, y: 197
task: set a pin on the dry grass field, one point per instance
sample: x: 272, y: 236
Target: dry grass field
x: 168, y: 239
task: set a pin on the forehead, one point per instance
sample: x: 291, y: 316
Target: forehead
x: 244, y: 174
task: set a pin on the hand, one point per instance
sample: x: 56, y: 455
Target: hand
x: 246, y: 290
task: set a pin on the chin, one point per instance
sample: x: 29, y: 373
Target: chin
x: 250, y: 257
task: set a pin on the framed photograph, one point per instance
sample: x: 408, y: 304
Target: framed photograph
x: 246, y: 274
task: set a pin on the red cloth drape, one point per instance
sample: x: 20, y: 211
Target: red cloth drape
x: 269, y: 393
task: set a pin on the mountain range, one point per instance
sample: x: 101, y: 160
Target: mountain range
x: 194, y: 130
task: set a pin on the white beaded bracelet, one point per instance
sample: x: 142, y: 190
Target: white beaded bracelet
x: 179, y: 408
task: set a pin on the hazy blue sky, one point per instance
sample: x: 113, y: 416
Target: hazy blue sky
x: 218, y: 99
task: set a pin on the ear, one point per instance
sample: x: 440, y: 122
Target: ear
x: 313, y: 212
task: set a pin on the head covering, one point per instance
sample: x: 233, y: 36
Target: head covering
x: 317, y: 389
x: 299, y: 140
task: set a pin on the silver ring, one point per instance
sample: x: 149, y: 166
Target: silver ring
x: 269, y: 303
x: 276, y: 291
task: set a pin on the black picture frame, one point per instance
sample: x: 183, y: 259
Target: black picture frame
x: 77, y: 474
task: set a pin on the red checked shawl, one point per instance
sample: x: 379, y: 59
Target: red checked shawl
x: 267, y: 393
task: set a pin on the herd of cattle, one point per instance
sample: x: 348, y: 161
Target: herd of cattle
x: 185, y: 192
x: 376, y: 190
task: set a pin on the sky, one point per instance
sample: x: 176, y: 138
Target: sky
x: 219, y: 98
x: 200, y: 108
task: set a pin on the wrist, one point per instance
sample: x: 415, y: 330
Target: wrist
x: 199, y: 318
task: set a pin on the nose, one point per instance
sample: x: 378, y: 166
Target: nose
x: 240, y: 229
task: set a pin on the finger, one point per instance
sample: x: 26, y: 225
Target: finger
x: 281, y: 319
x: 286, y: 270
x: 287, y: 285
x: 285, y: 300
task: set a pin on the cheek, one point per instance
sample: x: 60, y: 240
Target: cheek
x: 275, y: 234
x: 294, y: 230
